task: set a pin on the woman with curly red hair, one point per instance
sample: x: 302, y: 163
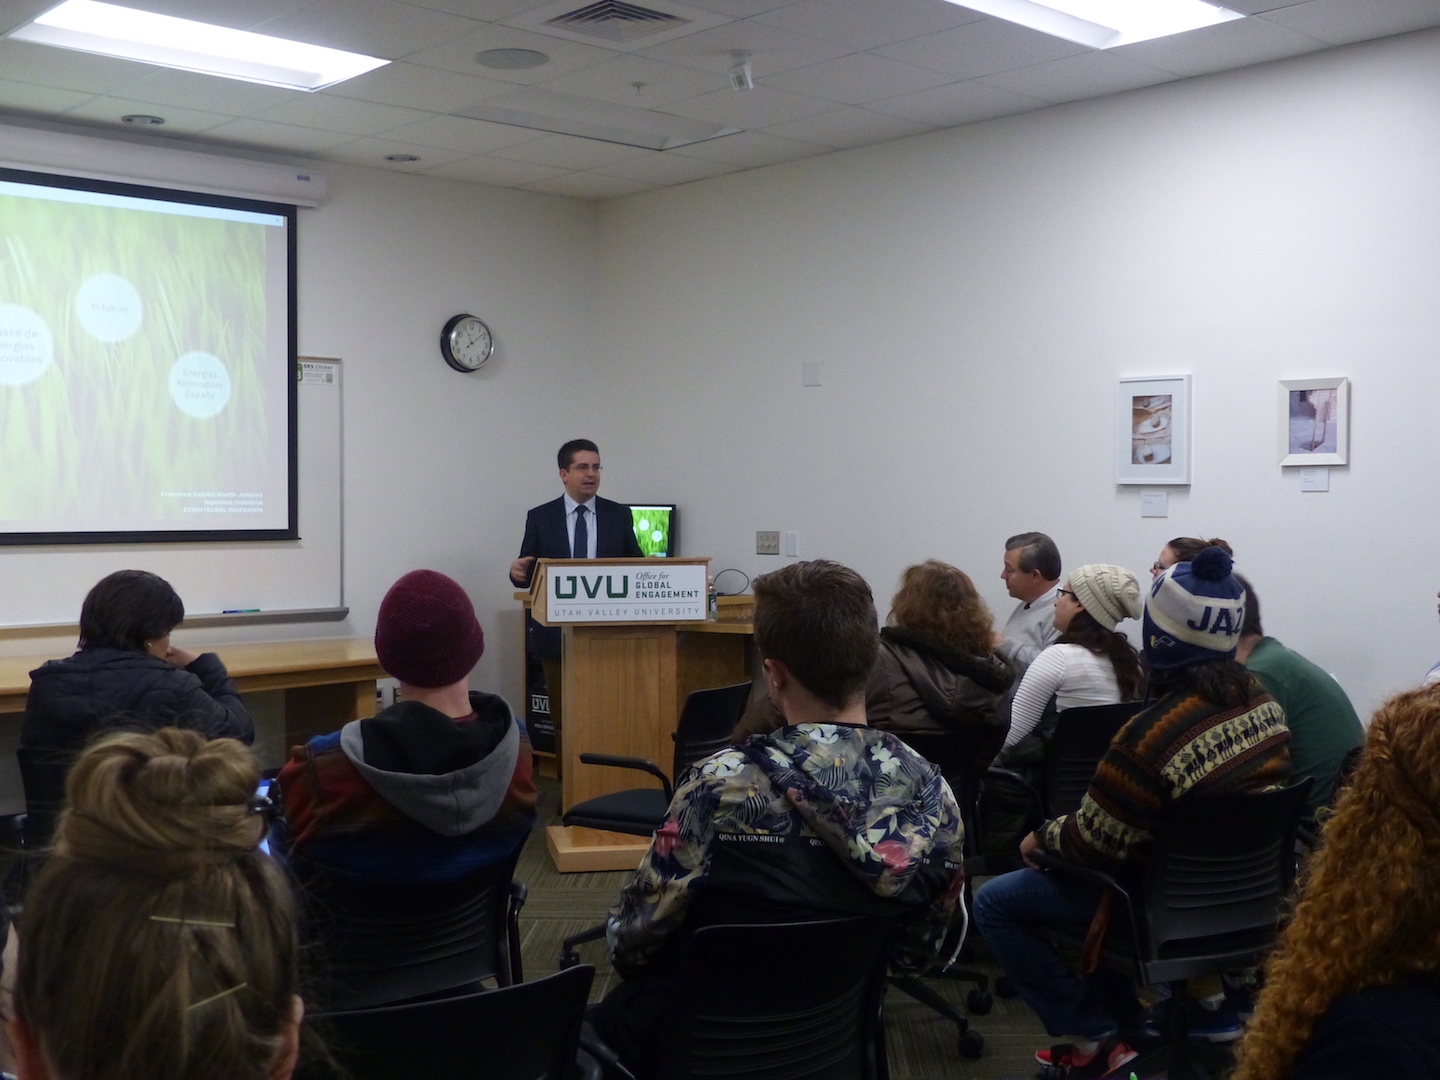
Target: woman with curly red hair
x: 1354, y: 988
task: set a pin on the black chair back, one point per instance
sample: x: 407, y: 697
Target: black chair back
x: 382, y: 943
x: 1216, y: 879
x: 706, y: 723
x: 525, y: 1032
x: 1082, y: 736
x: 739, y: 1015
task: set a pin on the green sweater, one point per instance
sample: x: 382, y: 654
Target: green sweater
x: 1178, y: 744
x: 1323, y: 725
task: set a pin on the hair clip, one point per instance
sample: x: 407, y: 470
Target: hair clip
x: 192, y: 922
x: 217, y: 997
x: 265, y: 805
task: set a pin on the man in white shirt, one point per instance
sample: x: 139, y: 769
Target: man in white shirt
x: 1032, y: 576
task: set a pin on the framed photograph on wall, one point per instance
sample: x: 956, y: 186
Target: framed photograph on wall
x: 1152, y: 430
x: 1315, y: 422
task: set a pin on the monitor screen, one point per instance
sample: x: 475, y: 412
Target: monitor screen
x: 657, y: 528
x: 147, y: 364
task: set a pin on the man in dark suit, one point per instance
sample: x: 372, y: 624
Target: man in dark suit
x: 578, y: 525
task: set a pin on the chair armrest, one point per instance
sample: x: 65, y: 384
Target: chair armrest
x: 1050, y: 861
x: 519, y: 893
x: 639, y: 764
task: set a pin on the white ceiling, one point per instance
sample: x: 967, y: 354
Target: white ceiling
x: 829, y: 74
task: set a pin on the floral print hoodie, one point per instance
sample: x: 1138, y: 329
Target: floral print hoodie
x: 882, y: 810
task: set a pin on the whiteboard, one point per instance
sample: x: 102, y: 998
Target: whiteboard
x: 44, y: 586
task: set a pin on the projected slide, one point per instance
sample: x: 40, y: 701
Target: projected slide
x: 145, y: 375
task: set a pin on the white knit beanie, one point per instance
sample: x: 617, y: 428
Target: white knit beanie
x: 1108, y: 593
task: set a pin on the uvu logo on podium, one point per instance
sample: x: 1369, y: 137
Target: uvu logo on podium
x: 626, y: 593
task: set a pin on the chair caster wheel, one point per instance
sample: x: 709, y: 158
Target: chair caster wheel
x: 1052, y: 1072
x: 971, y: 1044
x: 1005, y: 988
x: 979, y: 1002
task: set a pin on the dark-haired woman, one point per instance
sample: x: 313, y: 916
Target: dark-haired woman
x: 1183, y: 549
x: 936, y: 670
x: 127, y: 674
x: 1091, y: 663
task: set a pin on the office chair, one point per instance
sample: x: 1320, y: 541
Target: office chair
x: 1208, y: 898
x: 380, y: 943
x: 783, y: 1001
x: 529, y: 1031
x: 706, y: 723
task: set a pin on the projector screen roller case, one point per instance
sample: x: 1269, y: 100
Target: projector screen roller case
x: 147, y: 367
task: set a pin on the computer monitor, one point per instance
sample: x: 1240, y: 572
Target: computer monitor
x: 657, y: 528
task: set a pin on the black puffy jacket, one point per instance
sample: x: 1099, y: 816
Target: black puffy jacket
x: 102, y: 688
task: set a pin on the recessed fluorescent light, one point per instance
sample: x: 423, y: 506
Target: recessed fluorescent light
x: 1103, y: 24
x: 111, y: 30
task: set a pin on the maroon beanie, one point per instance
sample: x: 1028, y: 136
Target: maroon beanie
x: 427, y: 633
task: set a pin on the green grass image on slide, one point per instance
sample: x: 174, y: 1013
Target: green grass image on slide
x: 98, y: 437
x: 652, y: 529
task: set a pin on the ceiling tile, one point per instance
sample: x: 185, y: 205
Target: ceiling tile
x: 485, y: 10
x: 346, y: 115
x: 109, y: 110
x: 374, y: 151
x: 373, y: 27
x: 501, y: 173
x: 614, y: 81
x: 189, y: 90
x: 982, y: 48
x: 771, y: 50
x: 849, y: 127
x: 570, y: 152
x: 414, y: 87
x: 864, y: 24
x: 753, y: 148
x: 858, y: 79
x: 750, y: 109
x: 1341, y: 22
x: 276, y: 136
x: 1255, y: 7
x: 740, y: 9
x: 585, y: 185
x: 459, y: 55
x: 27, y: 97
x: 667, y: 167
x: 1088, y: 75
x: 1218, y: 48
x: 43, y: 65
x: 958, y: 103
x: 463, y: 134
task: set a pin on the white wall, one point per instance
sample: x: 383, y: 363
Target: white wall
x: 974, y: 294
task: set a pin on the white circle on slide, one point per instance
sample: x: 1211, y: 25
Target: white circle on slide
x: 26, y: 346
x: 109, y: 307
x: 200, y: 385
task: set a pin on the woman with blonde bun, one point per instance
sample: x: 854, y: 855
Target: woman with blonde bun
x: 1354, y: 988
x: 1091, y: 663
x: 158, y: 942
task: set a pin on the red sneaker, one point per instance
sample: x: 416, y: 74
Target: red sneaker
x: 1064, y: 1061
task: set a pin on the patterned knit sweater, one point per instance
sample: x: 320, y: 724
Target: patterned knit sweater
x: 1179, y: 744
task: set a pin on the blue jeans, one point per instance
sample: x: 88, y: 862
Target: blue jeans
x: 1007, y: 909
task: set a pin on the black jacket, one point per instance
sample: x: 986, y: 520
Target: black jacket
x: 101, y: 688
x: 1384, y: 1031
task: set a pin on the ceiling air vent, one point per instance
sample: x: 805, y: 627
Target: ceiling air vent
x: 616, y: 21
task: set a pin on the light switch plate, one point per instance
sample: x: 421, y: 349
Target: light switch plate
x: 792, y: 545
x: 767, y: 543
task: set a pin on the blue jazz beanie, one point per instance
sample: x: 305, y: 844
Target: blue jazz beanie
x: 1194, y: 612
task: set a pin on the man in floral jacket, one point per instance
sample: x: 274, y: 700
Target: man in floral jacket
x: 822, y: 817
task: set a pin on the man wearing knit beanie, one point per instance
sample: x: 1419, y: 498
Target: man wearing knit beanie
x: 432, y: 788
x: 1210, y: 728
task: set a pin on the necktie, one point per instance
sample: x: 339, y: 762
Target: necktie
x: 580, y: 549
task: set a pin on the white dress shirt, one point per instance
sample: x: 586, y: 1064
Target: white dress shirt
x: 592, y: 530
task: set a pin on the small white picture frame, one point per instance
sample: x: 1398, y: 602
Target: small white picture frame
x: 1314, y: 422
x: 1152, y: 430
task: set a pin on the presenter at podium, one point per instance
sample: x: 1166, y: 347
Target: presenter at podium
x: 578, y: 525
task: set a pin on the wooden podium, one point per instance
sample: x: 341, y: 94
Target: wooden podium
x: 625, y: 680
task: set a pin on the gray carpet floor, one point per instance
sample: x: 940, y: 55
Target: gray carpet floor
x: 921, y: 1044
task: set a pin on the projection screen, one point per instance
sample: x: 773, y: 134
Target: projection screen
x: 147, y: 364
